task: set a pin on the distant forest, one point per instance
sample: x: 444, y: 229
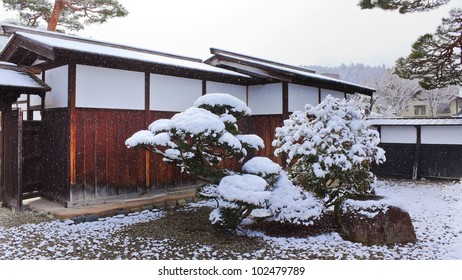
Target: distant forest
x: 355, y: 72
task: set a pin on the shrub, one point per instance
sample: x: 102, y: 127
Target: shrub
x: 329, y: 149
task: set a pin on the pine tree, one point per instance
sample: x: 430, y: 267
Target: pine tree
x: 436, y: 59
x: 69, y: 14
x: 403, y: 6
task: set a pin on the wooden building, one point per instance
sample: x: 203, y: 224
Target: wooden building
x: 20, y: 161
x: 102, y: 93
x: 420, y: 148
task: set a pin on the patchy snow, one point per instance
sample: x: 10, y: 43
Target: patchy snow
x: 435, y: 209
x: 371, y: 208
x: 261, y: 166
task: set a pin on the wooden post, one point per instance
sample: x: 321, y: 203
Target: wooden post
x: 285, y: 100
x: 415, y: 168
x: 147, y: 110
x: 204, y: 87
x: 319, y: 96
x: 72, y: 73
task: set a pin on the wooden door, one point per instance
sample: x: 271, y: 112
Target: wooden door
x: 12, y: 159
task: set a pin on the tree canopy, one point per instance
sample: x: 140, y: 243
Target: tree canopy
x: 435, y: 59
x: 403, y: 6
x: 68, y: 14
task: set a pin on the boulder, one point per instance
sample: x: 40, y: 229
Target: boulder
x: 374, y: 221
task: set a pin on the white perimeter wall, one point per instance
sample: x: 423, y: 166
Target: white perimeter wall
x: 300, y: 95
x: 57, y: 79
x: 98, y: 87
x: 398, y: 134
x: 265, y: 99
x: 173, y: 93
x: 449, y: 135
x: 336, y: 94
x: 234, y: 90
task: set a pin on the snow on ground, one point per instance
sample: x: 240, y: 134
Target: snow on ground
x: 436, y: 210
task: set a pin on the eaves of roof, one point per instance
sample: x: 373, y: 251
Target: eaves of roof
x: 272, y: 71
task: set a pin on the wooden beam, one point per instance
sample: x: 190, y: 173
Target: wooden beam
x: 285, y: 100
x: 72, y: 76
x: 204, y: 87
x: 415, y: 168
x: 147, y: 111
x: 319, y: 95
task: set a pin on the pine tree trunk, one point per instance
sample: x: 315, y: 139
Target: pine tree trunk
x: 57, y: 9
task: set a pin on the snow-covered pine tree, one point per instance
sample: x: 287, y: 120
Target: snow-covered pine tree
x: 204, y: 136
x: 330, y: 149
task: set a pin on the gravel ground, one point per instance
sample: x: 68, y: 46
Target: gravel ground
x: 186, y: 233
x: 10, y: 219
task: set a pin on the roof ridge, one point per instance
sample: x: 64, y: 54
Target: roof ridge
x: 11, y: 29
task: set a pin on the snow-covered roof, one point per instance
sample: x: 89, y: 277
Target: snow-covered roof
x: 247, y: 64
x: 12, y: 76
x: 414, y: 122
x: 53, y: 41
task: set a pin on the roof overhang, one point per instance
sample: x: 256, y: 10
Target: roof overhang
x: 24, y: 48
x: 274, y: 72
x: 15, y: 81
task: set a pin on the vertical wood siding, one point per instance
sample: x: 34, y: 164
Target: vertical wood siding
x: 106, y: 167
x: 56, y: 154
x: 265, y: 126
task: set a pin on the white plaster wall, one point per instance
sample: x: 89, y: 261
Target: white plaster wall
x: 398, y: 134
x: 449, y: 135
x: 98, y: 87
x: 336, y: 94
x: 172, y: 93
x: 300, y: 95
x: 234, y: 90
x: 35, y: 100
x: 57, y: 79
x: 265, y: 99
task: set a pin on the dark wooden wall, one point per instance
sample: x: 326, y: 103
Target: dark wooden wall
x: 434, y: 161
x: 440, y: 161
x: 400, y: 160
x: 55, y: 154
x: 106, y: 167
x: 265, y: 126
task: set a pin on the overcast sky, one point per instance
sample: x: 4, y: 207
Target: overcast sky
x: 299, y: 32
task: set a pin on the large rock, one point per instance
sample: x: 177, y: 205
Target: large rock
x: 376, y: 221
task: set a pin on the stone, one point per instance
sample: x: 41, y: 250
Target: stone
x: 181, y: 202
x: 170, y: 204
x: 135, y: 210
x: 79, y: 219
x: 374, y: 222
x: 147, y: 207
x: 91, y: 218
x: 121, y: 211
